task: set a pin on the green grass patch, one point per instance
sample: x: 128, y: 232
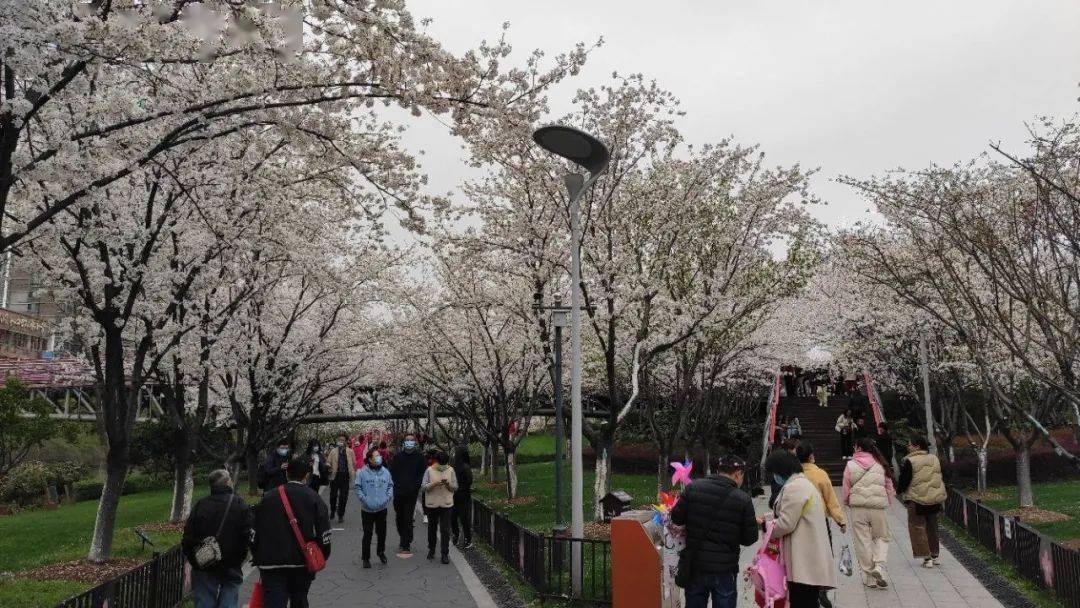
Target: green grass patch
x: 1029, y: 590
x: 1061, y: 496
x: 538, y: 480
x: 35, y: 594
x: 37, y: 538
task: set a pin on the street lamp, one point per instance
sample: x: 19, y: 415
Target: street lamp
x: 590, y: 154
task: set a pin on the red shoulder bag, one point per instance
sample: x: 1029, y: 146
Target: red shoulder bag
x: 313, y: 555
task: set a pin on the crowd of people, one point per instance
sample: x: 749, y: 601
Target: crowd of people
x: 719, y: 518
x: 292, y: 519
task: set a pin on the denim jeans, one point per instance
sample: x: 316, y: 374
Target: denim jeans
x: 720, y: 586
x: 214, y: 590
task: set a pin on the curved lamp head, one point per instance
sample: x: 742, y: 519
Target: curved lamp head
x: 574, y: 145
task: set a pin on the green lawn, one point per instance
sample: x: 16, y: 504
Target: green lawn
x: 1037, y: 596
x: 538, y: 479
x: 1062, y: 496
x: 35, y: 594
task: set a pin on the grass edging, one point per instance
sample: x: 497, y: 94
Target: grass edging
x: 994, y: 573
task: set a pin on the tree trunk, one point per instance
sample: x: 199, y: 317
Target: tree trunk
x: 104, y: 525
x: 183, y: 484
x: 483, y: 461
x: 602, y: 483
x: 1023, y: 474
x: 251, y: 459
x: 708, y: 461
x: 980, y: 481
x: 493, y: 463
x: 511, y: 473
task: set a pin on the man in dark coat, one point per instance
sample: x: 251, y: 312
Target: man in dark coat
x: 277, y: 462
x: 407, y: 471
x: 276, y: 552
x: 224, y: 516
x: 719, y: 518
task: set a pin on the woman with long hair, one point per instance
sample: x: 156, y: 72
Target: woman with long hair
x: 868, y: 490
x: 320, y: 471
x: 845, y: 425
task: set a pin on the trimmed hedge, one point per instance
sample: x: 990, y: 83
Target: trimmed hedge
x: 90, y: 489
x: 1001, y: 469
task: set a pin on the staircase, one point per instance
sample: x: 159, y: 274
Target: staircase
x: 818, y: 427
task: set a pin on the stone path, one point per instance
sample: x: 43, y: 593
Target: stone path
x: 910, y: 585
x: 402, y: 583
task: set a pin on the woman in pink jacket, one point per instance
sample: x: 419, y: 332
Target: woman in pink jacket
x: 868, y: 491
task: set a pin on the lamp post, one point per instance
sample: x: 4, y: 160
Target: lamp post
x: 559, y: 319
x: 590, y: 154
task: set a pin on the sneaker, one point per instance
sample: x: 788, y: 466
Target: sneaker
x: 445, y: 559
x: 367, y: 563
x: 382, y: 557
x: 879, y: 577
x: 937, y: 562
x: 425, y: 519
x: 928, y: 563
x: 468, y: 545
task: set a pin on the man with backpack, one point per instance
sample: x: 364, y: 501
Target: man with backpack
x: 215, y: 543
x: 277, y: 551
x: 719, y: 517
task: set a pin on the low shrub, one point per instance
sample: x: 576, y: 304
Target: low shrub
x: 25, y: 484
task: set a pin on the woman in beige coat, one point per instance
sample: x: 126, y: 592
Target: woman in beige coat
x: 799, y: 522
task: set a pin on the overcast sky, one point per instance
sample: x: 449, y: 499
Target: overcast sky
x: 851, y: 86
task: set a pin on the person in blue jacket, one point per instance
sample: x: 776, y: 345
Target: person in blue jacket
x: 375, y: 489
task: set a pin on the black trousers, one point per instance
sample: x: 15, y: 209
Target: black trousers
x: 462, y: 516
x: 378, y: 522
x: 339, y: 494
x: 802, y: 596
x: 286, y: 587
x: 847, y: 444
x: 439, y: 518
x: 404, y: 505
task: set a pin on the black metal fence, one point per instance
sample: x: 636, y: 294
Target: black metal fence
x: 544, y: 561
x: 159, y: 583
x: 1035, y: 557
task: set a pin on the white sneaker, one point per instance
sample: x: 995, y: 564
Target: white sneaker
x: 937, y: 562
x: 928, y: 563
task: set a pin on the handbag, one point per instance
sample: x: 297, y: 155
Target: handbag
x: 209, y: 551
x: 767, y: 573
x: 313, y: 555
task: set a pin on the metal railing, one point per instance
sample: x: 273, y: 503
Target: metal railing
x: 770, y: 422
x: 1035, y: 557
x: 159, y: 583
x: 543, y: 561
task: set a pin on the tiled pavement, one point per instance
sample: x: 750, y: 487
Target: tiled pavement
x: 910, y: 585
x: 402, y: 583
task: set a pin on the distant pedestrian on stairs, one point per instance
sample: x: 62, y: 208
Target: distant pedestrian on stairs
x: 822, y: 396
x: 868, y: 490
x: 923, y: 492
x: 845, y: 426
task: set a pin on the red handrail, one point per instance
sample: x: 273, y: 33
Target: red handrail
x: 872, y: 397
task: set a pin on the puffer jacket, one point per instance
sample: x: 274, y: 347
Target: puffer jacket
x: 374, y: 488
x: 719, y: 518
x: 865, y: 483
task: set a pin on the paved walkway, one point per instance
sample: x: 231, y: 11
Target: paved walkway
x: 910, y: 585
x: 402, y: 583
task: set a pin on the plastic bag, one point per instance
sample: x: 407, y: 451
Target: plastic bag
x: 844, y: 563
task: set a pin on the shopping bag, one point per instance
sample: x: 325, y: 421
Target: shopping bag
x: 844, y: 563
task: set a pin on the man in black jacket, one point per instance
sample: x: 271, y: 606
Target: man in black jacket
x: 407, y: 471
x: 226, y: 517
x: 719, y: 517
x: 276, y: 551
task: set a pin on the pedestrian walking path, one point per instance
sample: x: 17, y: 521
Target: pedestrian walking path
x: 415, y: 582
x: 910, y: 585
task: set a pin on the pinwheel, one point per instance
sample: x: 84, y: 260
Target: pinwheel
x: 682, y: 473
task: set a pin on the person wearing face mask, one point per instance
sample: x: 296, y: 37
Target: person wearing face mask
x: 320, y: 472
x: 276, y: 466
x: 375, y: 489
x: 799, y: 522
x: 407, y: 470
x: 439, y: 485
x: 341, y: 462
